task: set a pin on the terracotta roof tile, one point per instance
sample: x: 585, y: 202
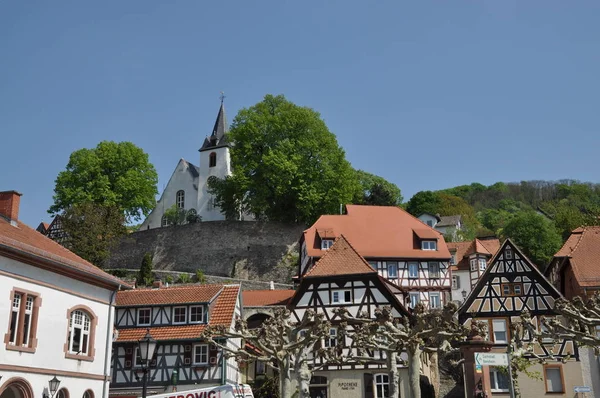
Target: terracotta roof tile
x: 340, y: 259
x: 376, y: 231
x: 169, y: 295
x: 262, y: 298
x: 463, y: 250
x: 583, y: 250
x: 27, y: 240
x: 221, y: 313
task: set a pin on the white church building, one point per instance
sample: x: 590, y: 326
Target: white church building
x: 188, y: 186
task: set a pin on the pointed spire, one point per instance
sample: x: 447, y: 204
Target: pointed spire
x: 218, y: 136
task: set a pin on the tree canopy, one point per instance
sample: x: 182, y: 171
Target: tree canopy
x: 112, y: 174
x: 287, y: 165
x: 376, y: 191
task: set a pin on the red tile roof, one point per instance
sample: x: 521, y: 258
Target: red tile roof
x: 489, y: 247
x: 169, y: 295
x: 262, y: 298
x: 583, y: 250
x: 221, y: 313
x: 340, y: 259
x: 22, y: 239
x: 377, y: 231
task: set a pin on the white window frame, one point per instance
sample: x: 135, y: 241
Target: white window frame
x: 380, y: 380
x: 455, y: 282
x: 201, y: 347
x: 505, y: 331
x: 185, y: 315
x: 16, y: 308
x: 494, y: 380
x: 326, y: 244
x: 431, y: 302
x: 332, y: 338
x: 508, y: 253
x: 515, y: 287
x: 412, y: 302
x: 482, y: 264
x: 433, y: 264
x: 473, y: 263
x: 341, y: 296
x: 27, y: 320
x: 201, y: 313
x: 180, y: 199
x: 136, y: 355
x: 413, y: 266
x: 149, y: 317
x: 84, y: 323
x: 163, y: 221
x: 392, y: 266
x: 430, y: 245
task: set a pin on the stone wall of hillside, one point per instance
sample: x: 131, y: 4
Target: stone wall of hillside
x: 241, y: 249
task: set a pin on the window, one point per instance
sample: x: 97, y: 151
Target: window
x: 499, y: 380
x: 326, y: 244
x: 508, y: 253
x: 517, y: 289
x: 341, y: 296
x: 554, y: 378
x: 164, y: 222
x: 23, y: 322
x: 473, y: 263
x: 62, y: 393
x: 499, y: 330
x: 88, y: 394
x: 144, y: 315
x: 452, y: 258
x: 434, y: 270
x: 79, y: 332
x: 414, y: 299
x: 392, y: 268
x: 201, y: 354
x: 434, y: 300
x: 482, y: 264
x: 373, y: 264
x: 179, y: 314
x: 430, y: 223
x: 331, y: 341
x: 512, y: 289
x: 455, y: 282
x: 429, y: 245
x: 413, y: 270
x: 382, y: 385
x: 137, y: 359
x: 180, y: 199
x: 197, y: 314
x: 212, y: 159
x: 260, y: 368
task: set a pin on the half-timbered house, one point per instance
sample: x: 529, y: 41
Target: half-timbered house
x: 468, y: 262
x: 175, y: 317
x: 509, y: 285
x: 343, y: 278
x: 401, y: 248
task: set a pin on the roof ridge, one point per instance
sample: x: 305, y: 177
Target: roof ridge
x: 578, y: 241
x: 331, y: 252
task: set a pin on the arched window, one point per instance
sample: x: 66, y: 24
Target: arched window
x: 80, y: 336
x: 180, y: 199
x: 88, y: 394
x: 212, y: 159
x: 62, y: 393
x: 163, y: 221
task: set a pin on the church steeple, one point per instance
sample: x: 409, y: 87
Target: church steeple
x: 218, y: 137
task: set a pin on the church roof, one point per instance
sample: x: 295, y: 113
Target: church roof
x: 218, y: 137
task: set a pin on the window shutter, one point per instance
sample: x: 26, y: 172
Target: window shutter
x: 187, y: 354
x: 213, y: 354
x: 128, y: 357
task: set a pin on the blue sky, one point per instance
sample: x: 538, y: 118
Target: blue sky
x: 426, y: 94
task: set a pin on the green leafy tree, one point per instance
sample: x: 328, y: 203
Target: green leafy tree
x: 376, y: 191
x: 112, y: 174
x: 145, y: 276
x: 92, y: 229
x: 175, y: 216
x: 537, y: 235
x: 423, y: 202
x: 287, y: 165
x: 200, y: 277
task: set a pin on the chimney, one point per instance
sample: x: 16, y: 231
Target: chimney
x: 271, y: 285
x: 9, y: 205
x: 157, y: 284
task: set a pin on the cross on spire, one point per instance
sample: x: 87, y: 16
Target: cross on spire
x: 222, y: 96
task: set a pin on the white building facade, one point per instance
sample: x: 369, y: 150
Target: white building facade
x: 56, y: 313
x: 187, y: 189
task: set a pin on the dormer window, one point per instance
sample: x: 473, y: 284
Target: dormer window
x: 144, y: 316
x: 508, y: 253
x: 428, y: 245
x: 453, y: 258
x: 482, y: 264
x: 326, y: 244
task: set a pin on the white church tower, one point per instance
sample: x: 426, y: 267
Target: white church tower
x: 214, y: 161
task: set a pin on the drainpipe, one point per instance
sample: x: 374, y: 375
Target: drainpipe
x: 223, y: 367
x: 108, y: 344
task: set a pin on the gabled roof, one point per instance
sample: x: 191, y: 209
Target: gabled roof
x: 218, y: 137
x: 511, y: 270
x: 340, y: 259
x: 264, y: 298
x: 168, y: 295
x: 463, y: 250
x: 28, y: 245
x: 377, y: 231
x: 583, y: 251
x: 221, y: 314
x: 449, y: 221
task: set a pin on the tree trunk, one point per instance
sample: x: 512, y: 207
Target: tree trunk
x: 285, y: 381
x: 303, y: 375
x: 392, y: 363
x: 435, y: 373
x: 414, y: 371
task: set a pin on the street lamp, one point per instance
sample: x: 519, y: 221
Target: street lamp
x: 146, y: 345
x: 53, y: 383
